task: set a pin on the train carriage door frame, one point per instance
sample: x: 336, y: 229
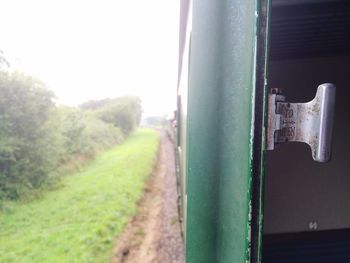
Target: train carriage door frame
x: 225, y: 132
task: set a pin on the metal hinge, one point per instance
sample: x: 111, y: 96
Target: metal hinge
x: 310, y: 122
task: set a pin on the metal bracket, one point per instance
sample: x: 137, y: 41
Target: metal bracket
x: 310, y: 122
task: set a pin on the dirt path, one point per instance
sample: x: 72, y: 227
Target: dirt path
x: 153, y: 235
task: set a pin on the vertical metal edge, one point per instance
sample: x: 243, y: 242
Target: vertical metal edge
x: 221, y: 130
x: 260, y: 121
x: 326, y: 93
x: 223, y: 238
x: 185, y: 28
x: 200, y: 235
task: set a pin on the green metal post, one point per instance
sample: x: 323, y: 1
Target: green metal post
x: 220, y: 129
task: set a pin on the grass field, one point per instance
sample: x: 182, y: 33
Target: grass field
x: 78, y: 222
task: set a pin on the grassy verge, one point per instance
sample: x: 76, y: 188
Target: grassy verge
x: 77, y: 223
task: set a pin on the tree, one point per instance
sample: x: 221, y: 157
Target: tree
x: 94, y: 104
x: 83, y: 134
x: 123, y: 112
x: 28, y: 137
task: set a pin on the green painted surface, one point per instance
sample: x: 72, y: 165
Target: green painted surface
x: 266, y: 7
x: 219, y: 150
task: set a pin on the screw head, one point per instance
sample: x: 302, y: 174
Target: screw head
x: 276, y: 91
x: 313, y: 225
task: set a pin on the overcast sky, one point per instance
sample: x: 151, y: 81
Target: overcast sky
x: 93, y: 49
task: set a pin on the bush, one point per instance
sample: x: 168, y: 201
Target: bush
x: 123, y: 112
x: 28, y: 138
x: 84, y: 134
x: 37, y: 137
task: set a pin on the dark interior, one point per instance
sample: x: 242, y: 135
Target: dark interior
x: 307, y: 204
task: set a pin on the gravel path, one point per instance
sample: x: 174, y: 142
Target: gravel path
x: 153, y: 235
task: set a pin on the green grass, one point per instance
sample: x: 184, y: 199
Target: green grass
x: 77, y: 223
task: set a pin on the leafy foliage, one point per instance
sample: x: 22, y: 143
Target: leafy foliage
x: 37, y: 137
x: 85, y: 134
x: 123, y: 112
x: 94, y: 104
x: 28, y: 138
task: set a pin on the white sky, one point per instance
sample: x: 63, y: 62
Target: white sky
x: 93, y: 49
